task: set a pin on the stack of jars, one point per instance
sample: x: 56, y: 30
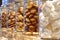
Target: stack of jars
x: 19, y: 17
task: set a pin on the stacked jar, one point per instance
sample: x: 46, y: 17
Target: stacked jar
x: 4, y: 21
x: 19, y: 19
x: 19, y: 16
x: 11, y: 21
x: 31, y: 17
x: 11, y: 16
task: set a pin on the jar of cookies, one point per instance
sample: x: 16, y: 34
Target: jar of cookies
x: 11, y: 16
x: 31, y: 18
x: 19, y: 15
x: 11, y: 22
x: 4, y: 21
x: 3, y: 17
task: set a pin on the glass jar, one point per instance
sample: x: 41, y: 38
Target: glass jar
x: 11, y: 21
x: 11, y: 16
x: 3, y: 17
x: 31, y: 17
x: 3, y: 21
x: 19, y: 15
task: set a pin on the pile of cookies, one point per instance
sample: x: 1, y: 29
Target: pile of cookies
x: 3, y: 18
x: 19, y: 19
x: 11, y: 19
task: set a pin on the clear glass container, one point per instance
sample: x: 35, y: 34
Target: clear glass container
x: 19, y: 19
x: 11, y: 21
x: 3, y: 22
x: 31, y: 22
x: 19, y: 15
x: 11, y: 16
x: 3, y: 17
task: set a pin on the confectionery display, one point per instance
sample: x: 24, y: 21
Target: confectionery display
x: 30, y: 20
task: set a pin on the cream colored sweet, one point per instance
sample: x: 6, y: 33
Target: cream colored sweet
x: 50, y: 20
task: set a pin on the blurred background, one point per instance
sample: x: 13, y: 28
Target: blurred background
x: 4, y: 2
